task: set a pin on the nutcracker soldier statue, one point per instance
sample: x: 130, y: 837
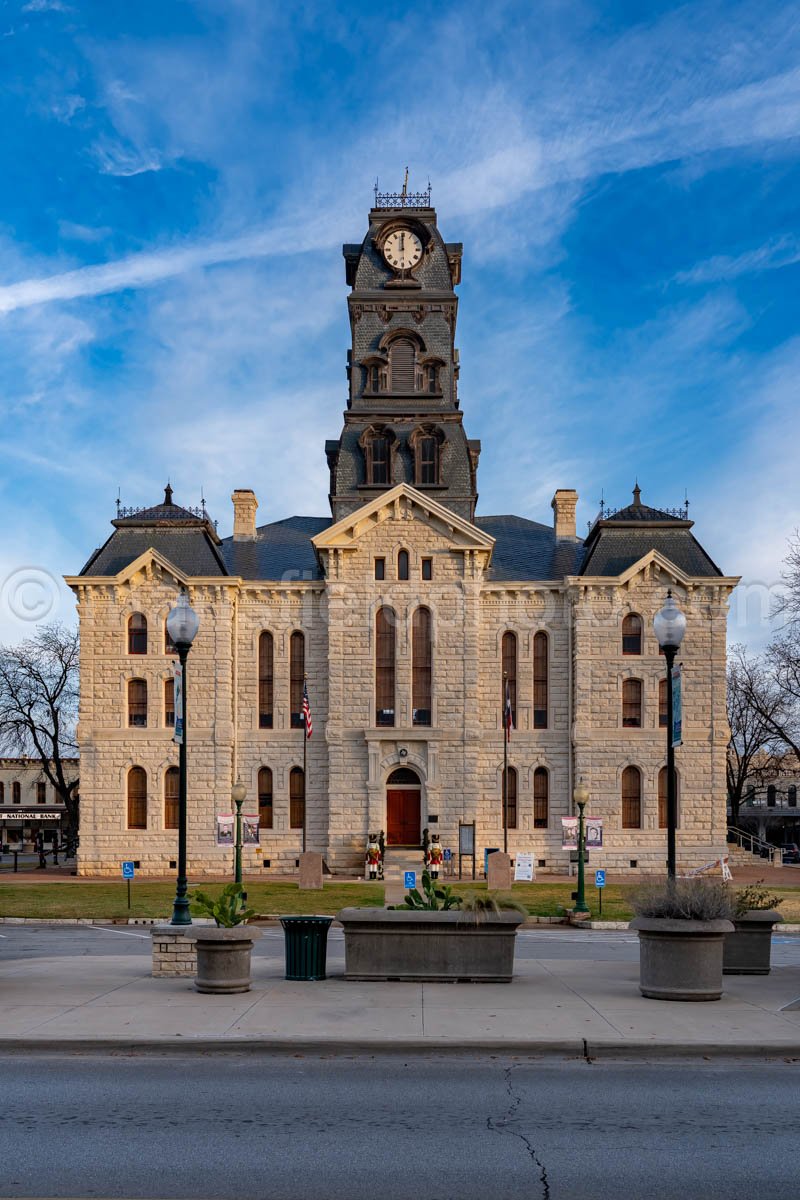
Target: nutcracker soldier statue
x: 373, y: 856
x: 435, y: 856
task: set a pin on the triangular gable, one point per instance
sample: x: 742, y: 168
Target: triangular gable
x: 403, y: 502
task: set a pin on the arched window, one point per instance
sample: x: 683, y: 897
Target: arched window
x: 137, y: 702
x: 421, y: 667
x: 137, y: 633
x: 511, y: 797
x: 432, y: 380
x: 137, y: 798
x: 41, y: 793
x: 169, y: 645
x: 265, y: 798
x: 375, y: 377
x: 541, y: 798
x: 632, y: 634
x: 16, y: 793
x: 402, y: 365
x: 772, y: 795
x: 297, y: 798
x: 384, y: 666
x: 378, y: 460
x: 632, y: 703
x: 631, y: 798
x: 169, y: 702
x: 402, y: 564
x: 172, y: 782
x: 791, y: 795
x: 662, y: 797
x: 265, y: 681
x: 509, y: 653
x: 662, y: 703
x: 297, y: 667
x: 540, y: 681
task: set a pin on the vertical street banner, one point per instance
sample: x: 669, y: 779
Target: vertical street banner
x: 677, y: 705
x: 250, y: 829
x: 594, y: 833
x: 569, y: 833
x: 225, y: 829
x: 177, y: 675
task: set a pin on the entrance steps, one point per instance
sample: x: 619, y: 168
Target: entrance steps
x: 396, y: 861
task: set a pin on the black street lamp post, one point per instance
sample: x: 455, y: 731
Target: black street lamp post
x: 182, y: 625
x: 670, y: 626
x: 581, y: 795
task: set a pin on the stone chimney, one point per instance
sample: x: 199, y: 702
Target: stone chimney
x: 244, y: 515
x: 564, y: 504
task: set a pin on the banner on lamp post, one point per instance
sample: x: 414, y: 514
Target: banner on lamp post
x: 569, y: 833
x: 593, y: 835
x: 677, y: 705
x: 177, y: 699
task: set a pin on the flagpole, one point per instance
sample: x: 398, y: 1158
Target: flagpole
x: 505, y: 764
x: 305, y: 779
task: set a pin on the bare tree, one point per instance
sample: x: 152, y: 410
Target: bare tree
x: 39, y: 708
x: 783, y: 655
x: 752, y: 706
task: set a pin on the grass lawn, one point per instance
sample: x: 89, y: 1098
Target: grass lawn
x: 87, y: 898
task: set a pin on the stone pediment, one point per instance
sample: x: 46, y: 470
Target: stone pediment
x: 404, y: 503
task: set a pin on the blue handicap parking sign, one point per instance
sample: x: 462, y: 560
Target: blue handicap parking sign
x: 127, y: 870
x: 409, y: 879
x: 448, y: 854
x: 600, y: 878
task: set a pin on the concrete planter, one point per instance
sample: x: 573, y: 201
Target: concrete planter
x: 223, y: 958
x: 680, y: 959
x: 444, y: 947
x: 748, y: 948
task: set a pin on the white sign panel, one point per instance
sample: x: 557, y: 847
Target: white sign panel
x: 523, y: 868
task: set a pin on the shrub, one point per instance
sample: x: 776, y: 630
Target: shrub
x: 227, y: 910
x: 686, y: 899
x: 432, y: 897
x: 755, y: 897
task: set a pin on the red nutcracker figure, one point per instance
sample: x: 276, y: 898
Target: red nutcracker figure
x: 374, y: 857
x: 435, y: 856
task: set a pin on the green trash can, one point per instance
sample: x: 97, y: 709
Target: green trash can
x: 306, y: 946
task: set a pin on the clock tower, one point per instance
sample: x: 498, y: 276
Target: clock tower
x: 403, y: 423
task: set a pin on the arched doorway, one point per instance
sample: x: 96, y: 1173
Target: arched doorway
x: 403, y: 808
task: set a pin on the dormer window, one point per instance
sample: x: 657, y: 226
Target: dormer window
x: 432, y: 387
x: 426, y: 442
x: 376, y: 443
x: 375, y: 378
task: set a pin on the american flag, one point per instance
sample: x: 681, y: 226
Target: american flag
x: 507, y: 715
x: 306, y: 711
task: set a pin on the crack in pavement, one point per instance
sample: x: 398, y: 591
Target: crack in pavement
x: 501, y: 1126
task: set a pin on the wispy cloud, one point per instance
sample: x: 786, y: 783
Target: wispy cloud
x: 784, y: 252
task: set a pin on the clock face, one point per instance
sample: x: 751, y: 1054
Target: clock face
x: 402, y: 249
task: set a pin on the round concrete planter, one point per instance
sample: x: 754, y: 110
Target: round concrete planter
x: 680, y: 959
x: 748, y: 948
x: 223, y: 958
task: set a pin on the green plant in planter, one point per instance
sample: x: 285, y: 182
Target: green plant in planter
x: 755, y: 898
x: 432, y: 898
x: 685, y: 899
x: 227, y: 909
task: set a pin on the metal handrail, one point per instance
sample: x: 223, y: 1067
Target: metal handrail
x: 756, y: 844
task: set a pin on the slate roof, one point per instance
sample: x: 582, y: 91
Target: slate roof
x: 528, y: 550
x: 190, y: 550
x: 281, y: 551
x: 614, y: 550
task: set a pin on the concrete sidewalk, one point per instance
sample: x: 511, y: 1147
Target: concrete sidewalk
x: 583, y: 1008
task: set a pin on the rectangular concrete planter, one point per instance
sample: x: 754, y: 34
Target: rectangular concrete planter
x: 748, y: 949
x: 680, y: 959
x: 434, y: 947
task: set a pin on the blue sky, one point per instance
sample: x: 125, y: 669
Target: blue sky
x: 178, y: 178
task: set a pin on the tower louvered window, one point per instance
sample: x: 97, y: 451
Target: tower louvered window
x: 384, y: 666
x: 421, y: 667
x: 402, y: 362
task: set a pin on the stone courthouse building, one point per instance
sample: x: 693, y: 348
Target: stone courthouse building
x: 405, y: 608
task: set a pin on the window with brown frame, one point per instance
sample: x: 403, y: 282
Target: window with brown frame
x: 427, y: 461
x: 265, y: 811
x: 662, y: 703
x: 41, y: 792
x: 402, y: 365
x: 169, y: 703
x: 384, y: 666
x: 432, y: 381
x: 137, y: 633
x: 137, y: 798
x: 540, y: 680
x: 297, y: 798
x: 169, y: 645
x: 631, y: 798
x: 379, y: 460
x: 402, y: 564
x: 511, y: 798
x: 375, y: 378
x: 265, y: 680
x: 509, y: 655
x: 297, y: 667
x: 16, y: 793
x: 421, y: 654
x: 427, y: 569
x: 380, y: 568
x: 632, y: 703
x: 137, y: 702
x: 662, y: 798
x: 541, y: 798
x: 632, y: 634
x: 172, y: 783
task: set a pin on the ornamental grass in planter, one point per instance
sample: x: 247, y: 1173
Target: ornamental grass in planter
x: 223, y: 949
x: 748, y: 948
x: 682, y: 925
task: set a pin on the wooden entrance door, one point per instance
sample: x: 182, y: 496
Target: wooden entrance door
x: 402, y: 817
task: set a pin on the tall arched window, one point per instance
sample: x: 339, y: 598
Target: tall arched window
x: 378, y: 460
x: 662, y: 703
x: 137, y: 633
x: 384, y: 666
x: 137, y: 798
x: 631, y: 798
x: 41, y: 793
x: 169, y: 702
x: 297, y: 667
x: 137, y: 702
x: 297, y: 798
x: 509, y: 653
x: 632, y: 634
x: 265, y: 680
x: 662, y: 797
x: 632, y: 703
x: 402, y: 564
x: 511, y: 797
x: 421, y: 666
x: 16, y: 792
x: 540, y: 681
x: 265, y: 798
x: 791, y: 795
x: 772, y: 795
x: 402, y: 365
x: 541, y: 798
x: 172, y: 783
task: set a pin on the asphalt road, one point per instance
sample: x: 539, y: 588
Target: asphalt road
x: 33, y: 941
x: 294, y: 1128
